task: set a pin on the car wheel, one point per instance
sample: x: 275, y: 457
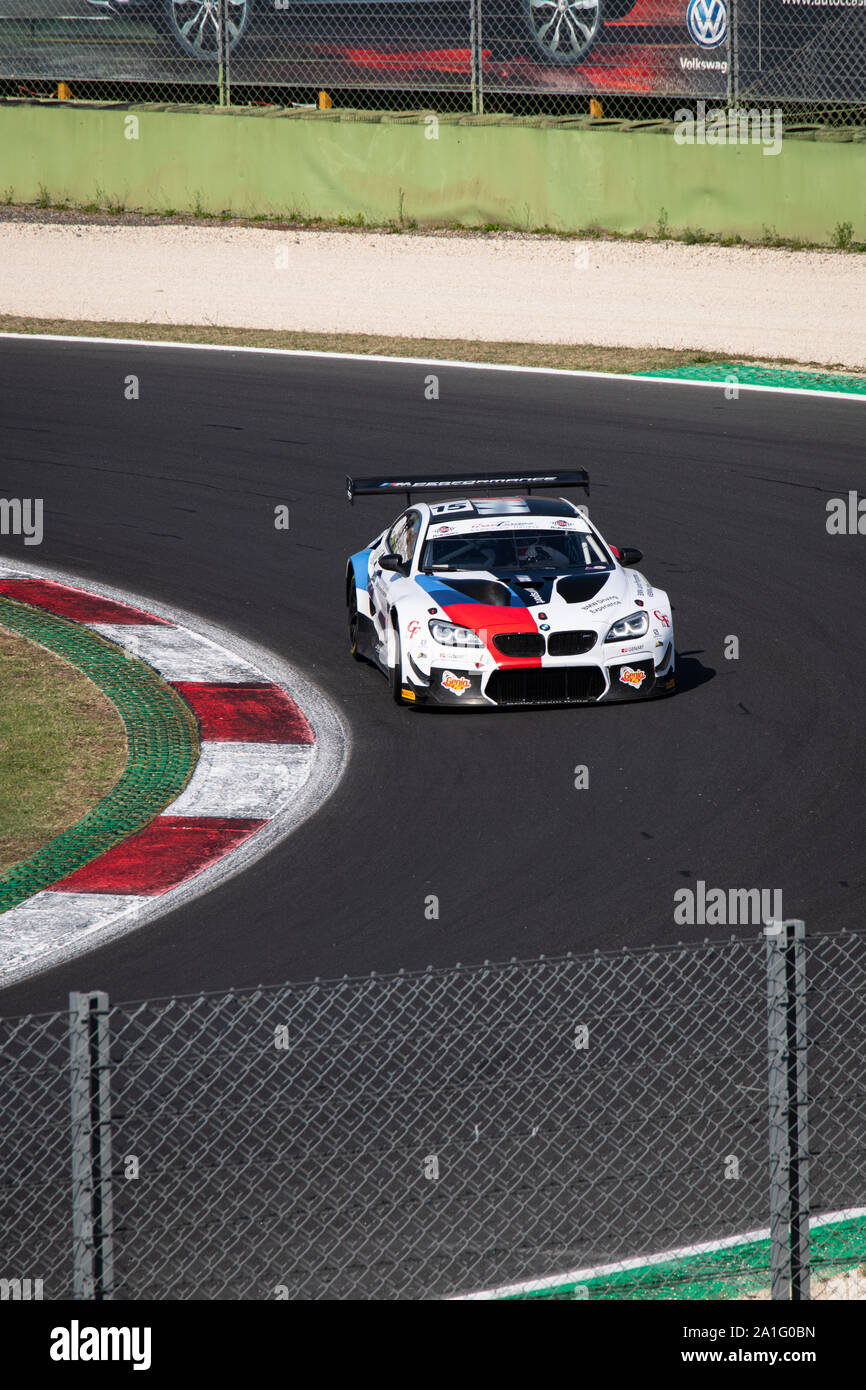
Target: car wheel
x: 353, y: 627
x: 669, y: 684
x: 563, y: 31
x: 395, y: 672
x: 194, y: 25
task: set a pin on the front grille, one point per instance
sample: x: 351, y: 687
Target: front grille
x: 567, y: 685
x: 519, y: 643
x: 570, y: 643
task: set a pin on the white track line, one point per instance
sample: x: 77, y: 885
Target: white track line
x: 448, y: 362
x: 580, y: 1276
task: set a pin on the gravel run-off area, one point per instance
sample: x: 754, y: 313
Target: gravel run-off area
x: 805, y: 306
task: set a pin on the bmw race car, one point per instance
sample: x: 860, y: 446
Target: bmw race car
x: 503, y: 601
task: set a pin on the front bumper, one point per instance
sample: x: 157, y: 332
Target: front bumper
x: 521, y: 686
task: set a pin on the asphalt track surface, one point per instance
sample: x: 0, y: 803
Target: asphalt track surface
x: 751, y: 776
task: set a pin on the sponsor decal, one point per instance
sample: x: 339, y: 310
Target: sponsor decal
x: 599, y: 605
x: 456, y: 684
x: 707, y: 22
x: 407, y: 694
x: 413, y: 627
x: 515, y: 479
x: 661, y: 617
x: 508, y: 523
x: 628, y: 676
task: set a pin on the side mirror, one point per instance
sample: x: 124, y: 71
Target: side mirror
x: 391, y: 562
x: 628, y: 554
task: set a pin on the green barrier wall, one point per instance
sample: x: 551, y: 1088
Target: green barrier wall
x: 566, y: 175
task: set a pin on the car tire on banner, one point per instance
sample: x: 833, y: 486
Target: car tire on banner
x: 192, y: 26
x: 557, y: 33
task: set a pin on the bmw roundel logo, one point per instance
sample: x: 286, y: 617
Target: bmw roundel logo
x: 707, y: 22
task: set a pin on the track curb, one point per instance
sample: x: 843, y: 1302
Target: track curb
x: 270, y: 751
x: 162, y: 743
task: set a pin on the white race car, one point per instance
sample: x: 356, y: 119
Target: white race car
x: 503, y: 601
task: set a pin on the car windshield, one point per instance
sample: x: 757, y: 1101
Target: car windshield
x: 516, y: 552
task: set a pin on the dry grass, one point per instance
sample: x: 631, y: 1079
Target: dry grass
x: 585, y: 357
x: 62, y: 746
x: 573, y: 356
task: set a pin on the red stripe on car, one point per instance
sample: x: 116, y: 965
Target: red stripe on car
x: 490, y: 619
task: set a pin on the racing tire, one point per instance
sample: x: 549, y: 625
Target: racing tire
x: 395, y: 672
x: 354, y: 651
x: 670, y: 691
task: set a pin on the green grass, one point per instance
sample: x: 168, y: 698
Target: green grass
x: 841, y: 238
x: 62, y: 747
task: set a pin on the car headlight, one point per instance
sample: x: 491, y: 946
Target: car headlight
x: 635, y: 625
x: 450, y: 635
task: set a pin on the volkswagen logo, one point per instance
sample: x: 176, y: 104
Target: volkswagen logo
x: 707, y: 22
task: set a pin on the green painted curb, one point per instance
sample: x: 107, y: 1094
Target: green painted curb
x: 161, y: 732
x: 718, y: 1274
x: 749, y: 375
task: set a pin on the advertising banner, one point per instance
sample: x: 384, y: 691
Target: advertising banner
x: 715, y: 49
x: 807, y: 50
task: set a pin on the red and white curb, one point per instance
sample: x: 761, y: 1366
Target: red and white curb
x: 271, y: 750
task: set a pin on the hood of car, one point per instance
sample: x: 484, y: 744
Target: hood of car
x: 562, y: 599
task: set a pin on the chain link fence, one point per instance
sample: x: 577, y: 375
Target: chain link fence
x: 617, y: 1125
x: 622, y: 58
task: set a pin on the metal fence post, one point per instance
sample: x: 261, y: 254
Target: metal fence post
x: 733, y: 53
x: 92, y: 1245
x: 798, y: 1112
x: 476, y: 54
x: 227, y: 44
x: 787, y: 1037
x: 777, y: 1041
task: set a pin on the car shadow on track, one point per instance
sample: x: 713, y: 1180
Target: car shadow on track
x: 692, y: 673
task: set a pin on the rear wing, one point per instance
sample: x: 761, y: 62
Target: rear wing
x: 465, y: 482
